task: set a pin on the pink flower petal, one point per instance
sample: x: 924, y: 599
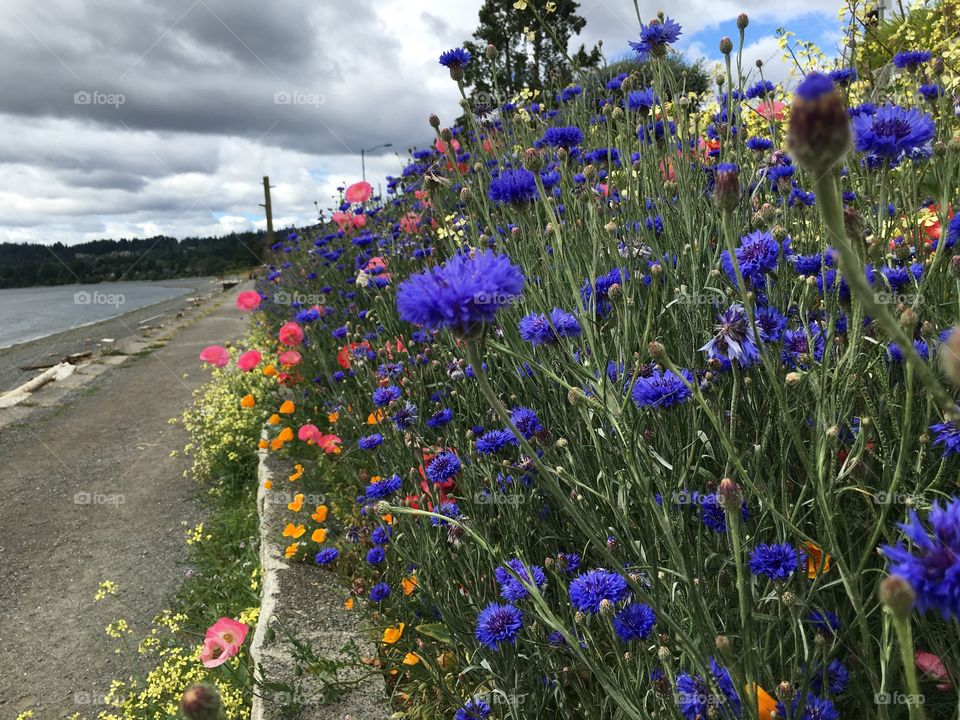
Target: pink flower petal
x: 248, y: 300
x: 359, y: 192
x: 215, y: 355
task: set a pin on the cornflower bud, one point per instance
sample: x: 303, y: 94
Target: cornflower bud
x: 726, y: 188
x: 819, y: 132
x: 202, y: 702
x: 897, y: 595
x: 726, y: 45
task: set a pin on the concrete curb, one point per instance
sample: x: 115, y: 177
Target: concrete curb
x: 308, y: 601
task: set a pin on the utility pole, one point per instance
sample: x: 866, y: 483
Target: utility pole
x: 269, y: 209
x: 363, y: 158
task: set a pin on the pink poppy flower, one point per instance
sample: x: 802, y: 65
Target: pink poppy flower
x: 340, y: 218
x: 290, y: 357
x: 409, y: 222
x: 249, y: 360
x: 358, y: 221
x: 291, y: 334
x: 215, y: 355
x: 932, y: 666
x: 248, y: 301
x: 442, y: 146
x: 771, y: 110
x: 214, y: 653
x: 229, y: 631
x: 309, y: 432
x: 359, y: 192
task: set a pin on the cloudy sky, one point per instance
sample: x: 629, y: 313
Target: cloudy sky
x: 130, y: 118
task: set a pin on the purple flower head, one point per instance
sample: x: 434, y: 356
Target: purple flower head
x: 777, y: 562
x: 443, y: 467
x: 661, y: 389
x: 634, y: 622
x: 893, y: 132
x: 513, y: 187
x: 455, y: 58
x: 498, y: 624
x: 655, y: 36
x: 911, y: 59
x: 510, y: 587
x: 734, y: 339
x: 589, y: 589
x: 462, y: 294
x: 540, y: 329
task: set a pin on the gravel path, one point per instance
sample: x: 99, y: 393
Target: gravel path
x: 89, y: 492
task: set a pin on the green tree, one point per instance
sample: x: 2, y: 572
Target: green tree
x: 528, y: 54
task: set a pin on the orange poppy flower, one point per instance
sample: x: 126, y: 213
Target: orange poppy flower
x: 375, y: 418
x: 294, y: 531
x: 291, y: 550
x: 269, y: 371
x: 297, y: 472
x: 411, y: 658
x: 392, y: 634
x: 409, y: 584
x: 333, y: 417
x: 297, y: 503
x: 348, y: 603
x: 818, y: 562
x: 247, y: 401
x: 320, y: 515
x: 287, y: 407
x: 267, y: 484
x: 766, y: 705
x: 286, y: 435
x: 273, y: 419
x: 263, y: 444
x: 319, y: 535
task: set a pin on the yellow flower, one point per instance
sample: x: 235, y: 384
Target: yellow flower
x: 520, y: 5
x: 551, y: 6
x: 411, y: 658
x: 107, y: 587
x: 392, y: 634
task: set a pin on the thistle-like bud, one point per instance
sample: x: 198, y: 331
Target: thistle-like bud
x: 202, y: 702
x: 786, y: 691
x: 664, y: 653
x: 465, y: 194
x: 729, y: 494
x: 897, y: 595
x: 726, y: 188
x: 726, y: 45
x: 819, y: 132
x: 779, y: 233
x: 657, y: 350
x: 491, y: 51
x: 532, y: 160
x: 434, y: 121
x: 938, y: 66
x: 742, y: 21
x: 590, y: 173
x: 607, y: 607
x: 446, y: 135
x: 723, y: 644
x: 853, y: 223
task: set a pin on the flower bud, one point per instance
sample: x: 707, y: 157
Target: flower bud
x: 897, y: 595
x: 819, y: 131
x: 723, y: 644
x: 446, y: 135
x: 657, y: 350
x: 434, y: 121
x: 726, y: 189
x: 742, y: 21
x: 726, y: 45
x: 729, y: 494
x: 202, y: 702
x: 465, y: 194
x: 491, y: 51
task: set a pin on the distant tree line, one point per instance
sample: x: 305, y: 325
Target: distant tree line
x: 156, y: 258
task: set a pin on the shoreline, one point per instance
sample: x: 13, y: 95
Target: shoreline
x: 121, y: 330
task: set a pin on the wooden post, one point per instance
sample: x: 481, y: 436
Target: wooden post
x: 269, y: 209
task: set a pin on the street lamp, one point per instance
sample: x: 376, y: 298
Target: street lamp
x: 363, y: 161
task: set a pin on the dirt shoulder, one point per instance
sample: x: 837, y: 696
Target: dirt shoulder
x: 90, y: 492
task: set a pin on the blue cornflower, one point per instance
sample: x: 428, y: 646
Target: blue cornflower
x: 526, y: 421
x: 761, y: 90
x: 565, y: 137
x: 403, y: 418
x: 370, y: 441
x: 947, y: 434
x: 661, y: 389
x: 463, y: 293
x: 513, y: 187
x: 379, y: 592
x: 734, y: 339
x: 824, y: 620
x: 777, y: 562
x: 634, y: 622
x: 539, y: 328
x: 440, y: 418
x: 386, y: 395
x: 444, y: 466
x: 641, y: 100
x: 495, y: 441
x: 511, y: 588
x: 327, y: 556
x: 589, y: 589
x: 376, y: 555
x: 893, y: 132
x: 837, y: 677
x: 449, y: 510
x: 383, y: 488
x: 896, y: 354
x: 695, y: 697
x: 715, y: 517
x: 757, y: 255
x: 497, y: 624
x: 473, y: 710
x: 759, y: 144
x: 930, y: 91
x: 652, y: 132
x: 599, y: 292
x: 815, y: 709
x: 814, y: 86
x: 911, y: 59
x: 455, y: 58
x: 934, y: 571
x: 655, y: 37
x: 381, y: 536
x: 843, y: 76
x: 953, y: 232
x: 770, y: 322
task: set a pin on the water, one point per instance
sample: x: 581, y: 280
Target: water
x: 31, y: 313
